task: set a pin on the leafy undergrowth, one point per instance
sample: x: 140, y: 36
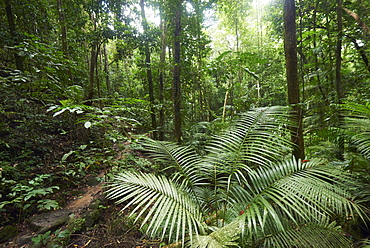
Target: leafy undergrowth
x: 111, y: 229
x: 114, y: 230
x: 51, y: 150
x: 100, y: 225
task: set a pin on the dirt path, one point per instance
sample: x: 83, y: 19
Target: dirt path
x: 50, y: 221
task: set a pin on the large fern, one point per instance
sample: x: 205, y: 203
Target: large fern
x: 246, y: 191
x: 358, y: 122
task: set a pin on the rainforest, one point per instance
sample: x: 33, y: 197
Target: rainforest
x: 184, y: 123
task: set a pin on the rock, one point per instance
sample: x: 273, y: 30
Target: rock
x: 25, y: 239
x: 92, y: 214
x: 49, y: 221
x: 92, y: 181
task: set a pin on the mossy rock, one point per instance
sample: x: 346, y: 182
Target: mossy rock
x: 92, y: 214
x: 92, y: 181
x: 7, y: 232
x: 49, y: 221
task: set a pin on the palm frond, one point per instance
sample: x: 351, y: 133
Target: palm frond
x: 292, y: 191
x: 184, y: 160
x: 257, y: 139
x: 358, y: 122
x: 226, y: 236
x: 243, y: 178
x: 364, y: 243
x: 166, y: 207
x: 324, y: 235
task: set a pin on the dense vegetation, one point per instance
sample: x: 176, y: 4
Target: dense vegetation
x: 179, y: 103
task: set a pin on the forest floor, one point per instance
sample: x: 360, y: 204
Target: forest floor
x: 102, y: 226
x: 87, y: 220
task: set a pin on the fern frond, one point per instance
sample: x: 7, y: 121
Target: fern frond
x: 184, y: 160
x: 226, y: 236
x: 358, y: 121
x: 257, y: 139
x: 163, y: 206
x: 293, y: 191
x: 324, y: 235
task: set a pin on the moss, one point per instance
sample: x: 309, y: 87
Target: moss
x: 7, y: 232
x: 92, y: 215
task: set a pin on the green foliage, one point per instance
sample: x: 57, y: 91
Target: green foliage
x: 231, y: 60
x: 115, y: 120
x: 244, y: 191
x: 358, y: 122
x: 7, y: 232
x: 25, y: 195
x: 326, y: 142
x: 42, y: 239
x: 59, y: 238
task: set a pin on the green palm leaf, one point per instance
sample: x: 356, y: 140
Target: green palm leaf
x: 257, y: 139
x: 358, y: 121
x: 184, y: 160
x: 226, y: 236
x: 324, y: 235
x: 167, y: 207
x: 291, y: 192
x: 243, y: 178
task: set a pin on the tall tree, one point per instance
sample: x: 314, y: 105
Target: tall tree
x: 176, y: 87
x: 338, y: 54
x: 290, y: 47
x: 63, y: 32
x: 93, y: 60
x: 338, y: 72
x: 13, y: 33
x: 162, y: 62
x: 149, y: 70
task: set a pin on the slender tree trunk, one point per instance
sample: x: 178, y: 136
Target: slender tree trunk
x: 225, y: 103
x: 92, y: 63
x: 149, y: 72
x: 63, y: 31
x: 161, y: 77
x: 338, y: 54
x: 359, y: 21
x: 176, y: 88
x: 13, y: 33
x: 290, y: 47
x: 97, y: 76
x: 361, y: 51
x: 330, y: 54
x: 338, y: 73
x: 106, y: 71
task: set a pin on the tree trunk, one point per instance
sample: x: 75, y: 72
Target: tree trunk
x: 359, y: 21
x: 162, y: 61
x: 290, y: 47
x: 338, y: 73
x: 176, y: 88
x: 149, y: 72
x: 106, y: 71
x: 361, y: 51
x: 13, y: 33
x: 338, y: 54
x: 92, y: 63
x: 63, y: 31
